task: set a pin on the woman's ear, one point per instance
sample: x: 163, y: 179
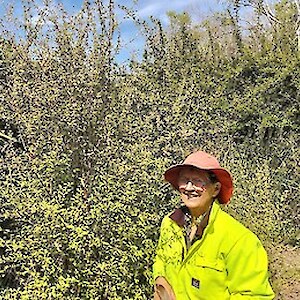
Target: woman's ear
x: 217, y: 189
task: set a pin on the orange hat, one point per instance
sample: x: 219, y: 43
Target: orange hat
x: 206, y: 162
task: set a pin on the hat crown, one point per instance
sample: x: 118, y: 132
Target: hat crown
x: 202, y: 159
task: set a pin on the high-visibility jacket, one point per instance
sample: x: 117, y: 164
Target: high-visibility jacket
x: 227, y: 262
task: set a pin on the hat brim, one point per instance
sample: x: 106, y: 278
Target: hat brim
x: 223, y: 176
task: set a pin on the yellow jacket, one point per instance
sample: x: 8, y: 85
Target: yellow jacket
x: 227, y: 262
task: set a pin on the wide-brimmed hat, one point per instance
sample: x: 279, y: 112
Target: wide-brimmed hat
x: 204, y: 161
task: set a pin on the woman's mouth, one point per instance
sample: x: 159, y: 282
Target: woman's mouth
x: 191, y: 195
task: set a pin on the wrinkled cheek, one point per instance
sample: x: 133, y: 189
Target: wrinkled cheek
x: 181, y: 189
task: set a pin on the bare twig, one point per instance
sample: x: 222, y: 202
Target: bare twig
x: 8, y: 137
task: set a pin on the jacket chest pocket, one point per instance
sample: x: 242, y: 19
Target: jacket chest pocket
x: 217, y: 264
x: 211, y: 275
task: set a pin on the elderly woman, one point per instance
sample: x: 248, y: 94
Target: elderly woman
x: 204, y: 253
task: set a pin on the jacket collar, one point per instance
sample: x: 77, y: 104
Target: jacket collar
x: 180, y: 214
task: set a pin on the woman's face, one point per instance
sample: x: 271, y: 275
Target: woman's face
x: 196, y: 190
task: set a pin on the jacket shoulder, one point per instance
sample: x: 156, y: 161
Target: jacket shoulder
x: 232, y: 228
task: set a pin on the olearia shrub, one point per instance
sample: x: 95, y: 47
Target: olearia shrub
x: 84, y: 143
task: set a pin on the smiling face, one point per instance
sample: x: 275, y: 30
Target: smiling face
x: 196, y: 189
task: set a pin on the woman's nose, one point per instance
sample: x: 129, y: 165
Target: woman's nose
x: 189, y: 186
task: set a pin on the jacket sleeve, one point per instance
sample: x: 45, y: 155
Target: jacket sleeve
x: 247, y: 268
x: 159, y: 263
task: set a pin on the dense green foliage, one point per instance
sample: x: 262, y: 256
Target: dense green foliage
x: 84, y: 143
